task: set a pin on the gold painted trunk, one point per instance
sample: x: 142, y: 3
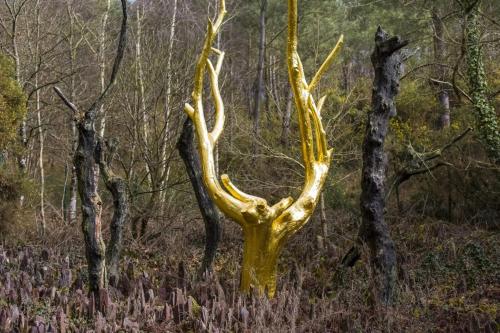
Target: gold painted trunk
x: 260, y: 260
x: 265, y: 227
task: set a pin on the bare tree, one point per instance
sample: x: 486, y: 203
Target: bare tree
x: 208, y: 209
x: 387, y: 62
x: 85, y: 163
x: 39, y: 118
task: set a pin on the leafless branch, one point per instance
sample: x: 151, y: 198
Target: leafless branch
x: 66, y: 101
x: 118, y: 59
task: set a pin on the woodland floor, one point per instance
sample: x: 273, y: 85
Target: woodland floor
x: 448, y: 282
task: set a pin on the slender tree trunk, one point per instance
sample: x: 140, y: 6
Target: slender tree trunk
x: 140, y: 83
x: 73, y: 187
x: 117, y: 186
x: 211, y: 216
x: 324, y: 225
x: 439, y: 56
x: 64, y: 194
x: 346, y: 76
x: 249, y: 69
x: 168, y: 92
x: 102, y: 66
x: 40, y: 124
x: 218, y: 46
x: 287, y: 116
x: 486, y: 118
x: 387, y: 62
x: 260, y: 81
x: 40, y: 161
x: 102, y: 75
x: 140, y: 223
x: 274, y: 78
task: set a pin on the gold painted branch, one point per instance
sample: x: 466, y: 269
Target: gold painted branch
x: 266, y: 228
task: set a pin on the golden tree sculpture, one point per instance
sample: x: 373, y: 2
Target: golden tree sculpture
x: 265, y: 228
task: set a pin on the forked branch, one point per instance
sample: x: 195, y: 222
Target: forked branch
x: 266, y: 228
x: 315, y: 152
x: 120, y: 52
x: 228, y: 203
x: 287, y: 216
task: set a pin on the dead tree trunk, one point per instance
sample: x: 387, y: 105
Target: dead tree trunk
x: 91, y: 202
x: 117, y: 186
x: 209, y: 211
x: 85, y: 164
x: 387, y: 62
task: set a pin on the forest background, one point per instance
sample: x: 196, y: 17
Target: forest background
x: 444, y: 218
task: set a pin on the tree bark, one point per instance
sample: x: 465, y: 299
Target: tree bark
x: 346, y: 76
x: 439, y: 56
x: 209, y: 211
x: 486, y: 118
x: 91, y: 204
x: 73, y: 187
x: 140, y: 84
x: 41, y: 140
x: 168, y: 92
x: 71, y: 214
x: 102, y: 66
x: 117, y: 186
x: 40, y: 159
x: 260, y: 93
x: 85, y: 164
x: 387, y: 62
x: 287, y: 116
x: 260, y: 259
x: 323, y: 219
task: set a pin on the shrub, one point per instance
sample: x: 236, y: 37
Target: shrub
x: 12, y: 103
